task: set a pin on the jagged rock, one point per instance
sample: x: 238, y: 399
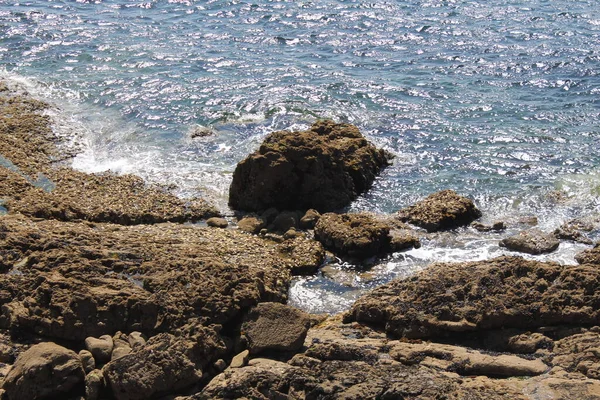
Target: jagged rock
x: 46, y: 370
x: 163, y: 365
x: 325, y: 168
x: 506, y: 292
x: 251, y: 224
x: 356, y: 235
x: 87, y: 361
x: 403, y: 239
x: 136, y: 339
x: 579, y: 353
x: 589, y: 256
x: 101, y: 348
x: 440, y: 211
x: 309, y: 219
x: 578, y: 229
x: 532, y: 241
x: 275, y: 326
x: 217, y: 222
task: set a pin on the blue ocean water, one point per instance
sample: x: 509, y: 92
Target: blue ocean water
x: 497, y: 100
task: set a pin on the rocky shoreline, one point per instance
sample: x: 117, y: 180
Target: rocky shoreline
x: 106, y: 292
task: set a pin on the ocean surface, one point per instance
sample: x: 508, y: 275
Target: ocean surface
x: 497, y: 100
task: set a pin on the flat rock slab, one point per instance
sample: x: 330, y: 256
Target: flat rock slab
x: 274, y: 326
x: 324, y: 168
x: 506, y: 292
x: 441, y: 211
x: 532, y: 241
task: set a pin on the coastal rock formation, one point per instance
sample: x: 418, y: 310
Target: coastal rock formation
x: 507, y: 292
x: 165, y: 364
x: 149, y: 278
x: 579, y: 229
x: 589, y: 256
x: 360, y: 235
x: 441, y: 211
x: 274, y: 326
x: 32, y: 184
x: 356, y: 235
x: 532, y: 241
x: 324, y: 167
x: 46, y: 370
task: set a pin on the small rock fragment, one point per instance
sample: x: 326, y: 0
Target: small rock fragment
x: 251, y: 224
x: 240, y: 360
x: 217, y: 222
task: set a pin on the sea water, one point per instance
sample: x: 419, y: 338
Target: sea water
x: 499, y: 101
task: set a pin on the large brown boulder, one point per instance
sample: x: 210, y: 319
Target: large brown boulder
x: 45, y: 371
x: 324, y: 167
x: 506, y: 292
x: 274, y: 326
x: 441, y: 211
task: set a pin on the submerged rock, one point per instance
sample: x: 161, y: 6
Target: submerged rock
x: 532, y: 241
x: 506, y: 292
x: 46, y: 370
x: 441, y: 211
x: 325, y: 168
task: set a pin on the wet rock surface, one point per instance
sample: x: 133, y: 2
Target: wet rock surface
x: 361, y: 235
x: 173, y: 311
x: 324, y: 168
x: 532, y: 241
x: 440, y: 211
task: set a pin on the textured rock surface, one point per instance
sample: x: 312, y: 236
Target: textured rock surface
x: 360, y: 235
x: 501, y: 293
x: 163, y: 365
x: 589, y: 256
x: 532, y: 241
x: 356, y: 235
x: 46, y: 370
x: 274, y: 326
x: 79, y: 280
x: 440, y: 211
x: 325, y: 168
